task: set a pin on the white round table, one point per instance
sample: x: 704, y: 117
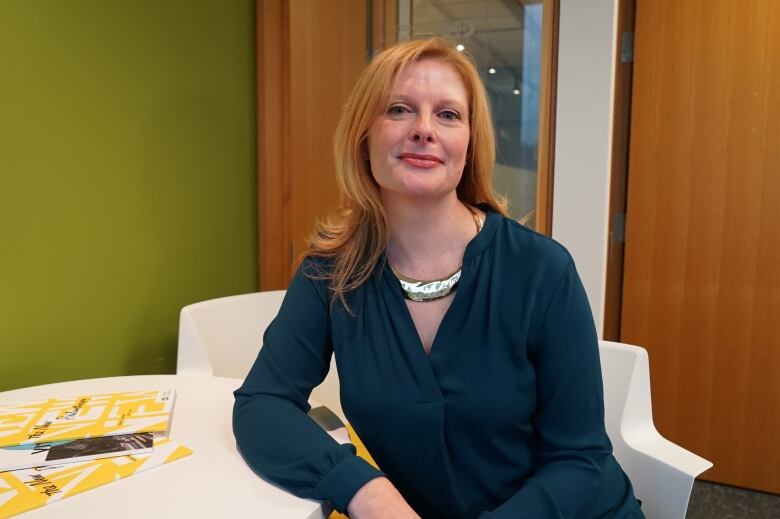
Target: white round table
x: 213, y: 482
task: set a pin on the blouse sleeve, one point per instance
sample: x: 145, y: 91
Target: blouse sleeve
x: 276, y: 437
x: 573, y: 443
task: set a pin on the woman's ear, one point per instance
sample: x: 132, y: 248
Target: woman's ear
x: 364, y: 151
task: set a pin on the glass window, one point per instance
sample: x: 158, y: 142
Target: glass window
x: 504, y: 37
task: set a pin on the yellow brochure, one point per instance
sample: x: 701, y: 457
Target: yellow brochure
x: 85, y: 416
x: 23, y: 490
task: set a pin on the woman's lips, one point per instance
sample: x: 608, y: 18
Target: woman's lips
x: 421, y: 161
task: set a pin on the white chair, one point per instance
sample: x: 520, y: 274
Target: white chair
x: 221, y: 337
x: 662, y: 473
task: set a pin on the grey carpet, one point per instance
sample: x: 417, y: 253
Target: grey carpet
x: 714, y: 501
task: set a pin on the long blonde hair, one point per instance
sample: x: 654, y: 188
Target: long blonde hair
x: 355, y: 237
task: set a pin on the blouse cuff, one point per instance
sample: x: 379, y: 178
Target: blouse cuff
x: 344, y: 480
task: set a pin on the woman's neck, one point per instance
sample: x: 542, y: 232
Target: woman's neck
x: 427, y: 237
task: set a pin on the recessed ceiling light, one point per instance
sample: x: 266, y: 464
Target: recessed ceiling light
x: 460, y: 47
x: 491, y: 70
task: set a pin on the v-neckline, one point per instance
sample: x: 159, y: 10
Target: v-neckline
x: 409, y: 320
x: 474, y: 247
x: 430, y: 318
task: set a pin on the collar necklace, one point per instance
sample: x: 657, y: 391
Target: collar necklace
x: 424, y: 291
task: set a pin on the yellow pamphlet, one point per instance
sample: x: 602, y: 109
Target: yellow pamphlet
x: 23, y: 490
x: 85, y: 416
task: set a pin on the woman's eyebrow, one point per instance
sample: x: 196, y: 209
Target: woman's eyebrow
x: 454, y: 102
x: 447, y: 101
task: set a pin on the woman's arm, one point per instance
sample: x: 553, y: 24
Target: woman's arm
x: 274, y: 434
x: 573, y: 443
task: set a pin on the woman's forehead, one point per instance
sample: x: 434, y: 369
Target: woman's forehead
x: 430, y: 77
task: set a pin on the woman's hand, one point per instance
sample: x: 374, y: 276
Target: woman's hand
x: 379, y: 499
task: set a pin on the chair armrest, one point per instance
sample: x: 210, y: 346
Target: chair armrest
x: 649, y: 442
x: 662, y: 472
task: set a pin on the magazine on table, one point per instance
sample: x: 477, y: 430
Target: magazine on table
x: 26, y: 489
x: 58, y: 419
x: 73, y: 451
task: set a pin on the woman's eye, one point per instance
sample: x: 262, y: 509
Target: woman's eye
x: 449, y: 115
x: 396, y: 110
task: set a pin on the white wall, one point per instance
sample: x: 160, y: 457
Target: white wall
x: 583, y: 139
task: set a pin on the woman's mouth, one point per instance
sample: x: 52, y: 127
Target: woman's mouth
x: 421, y: 161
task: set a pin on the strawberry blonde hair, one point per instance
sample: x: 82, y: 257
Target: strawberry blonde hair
x: 355, y: 237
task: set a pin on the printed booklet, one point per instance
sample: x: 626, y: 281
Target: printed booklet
x: 73, y: 451
x: 26, y: 489
x: 85, y: 416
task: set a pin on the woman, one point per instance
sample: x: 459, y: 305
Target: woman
x: 478, y: 393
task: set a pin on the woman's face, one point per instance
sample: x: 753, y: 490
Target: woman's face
x: 417, y: 147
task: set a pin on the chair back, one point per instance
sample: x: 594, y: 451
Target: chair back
x: 624, y: 380
x: 222, y: 337
x: 661, y: 472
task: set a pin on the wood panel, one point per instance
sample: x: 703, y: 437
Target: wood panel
x: 328, y: 50
x: 384, y: 26
x: 310, y: 54
x: 273, y: 172
x: 621, y: 121
x: 547, y: 103
x: 702, y: 269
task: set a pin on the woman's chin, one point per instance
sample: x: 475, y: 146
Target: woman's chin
x: 419, y: 193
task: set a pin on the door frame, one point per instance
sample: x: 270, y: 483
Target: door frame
x: 274, y: 253
x: 618, y: 191
x: 548, y: 97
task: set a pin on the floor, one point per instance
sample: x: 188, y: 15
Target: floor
x: 710, y: 500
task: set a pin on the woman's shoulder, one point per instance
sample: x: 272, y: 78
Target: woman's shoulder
x: 313, y: 275
x: 533, y: 250
x: 316, y: 267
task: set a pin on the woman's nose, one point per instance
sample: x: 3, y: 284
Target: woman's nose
x: 422, y: 130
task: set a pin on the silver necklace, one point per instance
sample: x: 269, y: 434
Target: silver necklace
x: 424, y: 291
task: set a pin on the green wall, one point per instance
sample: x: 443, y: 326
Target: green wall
x: 127, y: 179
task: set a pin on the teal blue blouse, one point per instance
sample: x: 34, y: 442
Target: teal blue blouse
x: 503, y: 419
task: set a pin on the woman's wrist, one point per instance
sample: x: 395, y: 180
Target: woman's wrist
x: 379, y: 499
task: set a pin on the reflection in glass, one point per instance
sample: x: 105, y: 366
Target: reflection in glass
x: 504, y: 37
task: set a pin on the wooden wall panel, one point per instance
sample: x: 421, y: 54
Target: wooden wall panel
x: 702, y: 271
x: 273, y: 176
x: 309, y: 54
x: 328, y: 50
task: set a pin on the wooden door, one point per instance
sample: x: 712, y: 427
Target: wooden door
x: 702, y: 265
x: 309, y: 56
